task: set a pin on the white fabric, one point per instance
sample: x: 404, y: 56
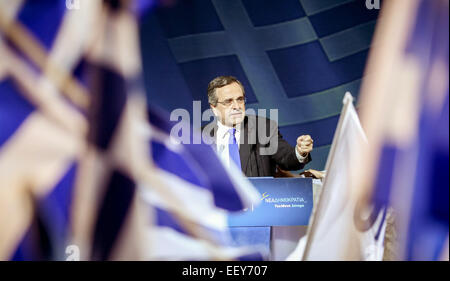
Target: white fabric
x: 167, y: 244
x: 333, y: 235
x: 223, y: 135
x: 198, y: 203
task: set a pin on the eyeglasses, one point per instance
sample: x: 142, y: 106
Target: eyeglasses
x: 229, y: 102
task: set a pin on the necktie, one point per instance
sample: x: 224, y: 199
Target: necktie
x: 233, y: 148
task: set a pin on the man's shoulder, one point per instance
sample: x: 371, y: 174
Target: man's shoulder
x: 257, y: 122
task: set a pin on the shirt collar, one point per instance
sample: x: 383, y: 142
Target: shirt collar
x: 222, y: 129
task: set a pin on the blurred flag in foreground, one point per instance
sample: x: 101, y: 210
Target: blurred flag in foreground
x: 332, y: 228
x: 205, y: 193
x: 82, y: 162
x: 405, y: 113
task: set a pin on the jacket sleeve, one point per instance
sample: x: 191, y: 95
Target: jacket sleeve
x: 281, y: 152
x: 286, y: 158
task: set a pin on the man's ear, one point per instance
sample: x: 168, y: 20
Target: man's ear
x: 214, y: 110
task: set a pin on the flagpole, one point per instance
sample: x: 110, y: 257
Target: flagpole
x: 347, y: 100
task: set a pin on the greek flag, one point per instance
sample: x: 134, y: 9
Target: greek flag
x: 83, y: 164
x: 404, y: 110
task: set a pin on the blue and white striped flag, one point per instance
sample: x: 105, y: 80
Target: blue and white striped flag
x: 81, y: 160
x: 404, y: 110
x: 43, y: 130
x: 202, y: 187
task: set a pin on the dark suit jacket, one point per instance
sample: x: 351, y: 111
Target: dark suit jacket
x: 259, y: 156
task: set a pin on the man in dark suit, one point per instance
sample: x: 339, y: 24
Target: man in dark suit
x: 261, y: 148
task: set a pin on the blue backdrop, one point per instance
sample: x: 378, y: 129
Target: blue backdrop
x: 299, y: 56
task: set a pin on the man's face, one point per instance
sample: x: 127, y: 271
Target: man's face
x: 233, y: 113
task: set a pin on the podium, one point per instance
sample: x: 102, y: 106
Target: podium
x: 286, y: 203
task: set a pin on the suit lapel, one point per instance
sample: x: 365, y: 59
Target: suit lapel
x: 245, y: 147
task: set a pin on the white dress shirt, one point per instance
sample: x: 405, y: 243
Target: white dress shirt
x: 222, y: 139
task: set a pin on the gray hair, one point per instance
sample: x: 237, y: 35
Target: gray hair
x: 220, y: 82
